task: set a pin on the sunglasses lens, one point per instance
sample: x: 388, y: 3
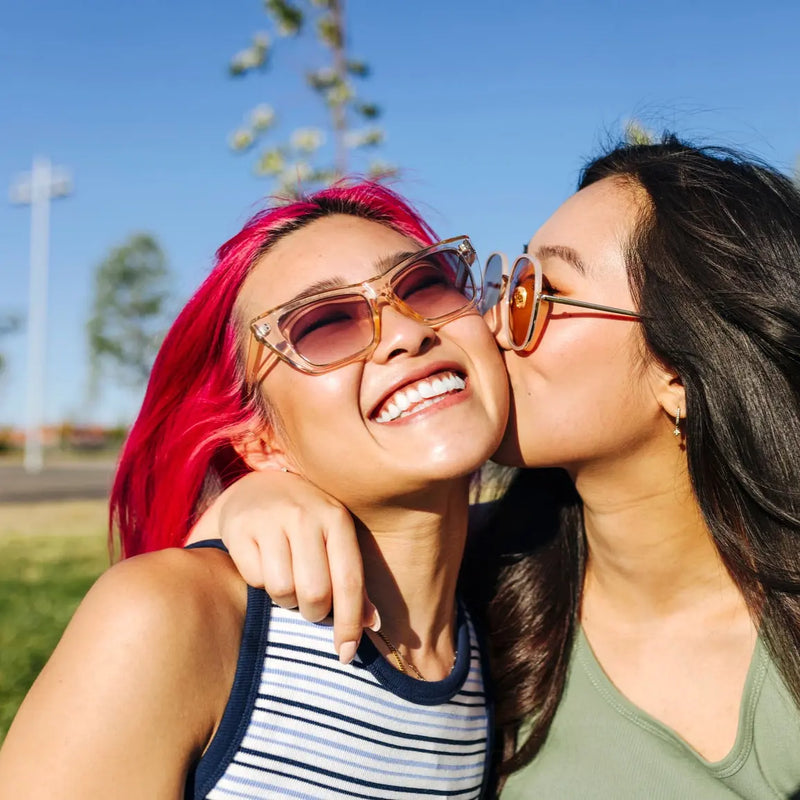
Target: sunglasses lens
x: 522, y: 306
x: 326, y: 331
x: 438, y: 286
x: 492, y: 282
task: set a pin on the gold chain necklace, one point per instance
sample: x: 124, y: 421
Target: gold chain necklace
x: 401, y: 660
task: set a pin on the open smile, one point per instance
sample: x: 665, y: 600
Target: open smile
x: 419, y: 395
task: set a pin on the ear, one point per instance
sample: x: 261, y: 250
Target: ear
x: 261, y: 451
x: 668, y: 390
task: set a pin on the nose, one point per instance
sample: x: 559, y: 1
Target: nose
x: 401, y: 334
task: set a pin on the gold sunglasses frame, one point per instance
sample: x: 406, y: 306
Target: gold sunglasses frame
x: 539, y: 297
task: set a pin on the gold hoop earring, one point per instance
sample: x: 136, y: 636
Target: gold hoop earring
x: 677, y: 429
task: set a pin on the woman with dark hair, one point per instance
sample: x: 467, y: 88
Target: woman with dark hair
x: 647, y: 644
x: 661, y: 619
x: 337, y: 339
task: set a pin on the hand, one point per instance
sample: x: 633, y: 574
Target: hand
x: 299, y: 544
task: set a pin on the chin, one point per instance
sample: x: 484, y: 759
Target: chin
x: 451, y: 463
x: 508, y: 452
x: 453, y: 469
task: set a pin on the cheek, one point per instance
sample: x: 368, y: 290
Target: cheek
x: 312, y: 411
x: 491, y: 378
x: 574, y: 390
x: 575, y: 354
x: 567, y: 360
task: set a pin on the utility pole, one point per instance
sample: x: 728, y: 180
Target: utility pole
x: 37, y: 189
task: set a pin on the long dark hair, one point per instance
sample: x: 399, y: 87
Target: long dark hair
x: 714, y: 263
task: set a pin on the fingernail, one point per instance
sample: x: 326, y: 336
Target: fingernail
x: 376, y: 620
x: 347, y: 652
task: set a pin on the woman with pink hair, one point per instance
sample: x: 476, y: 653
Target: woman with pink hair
x: 335, y: 339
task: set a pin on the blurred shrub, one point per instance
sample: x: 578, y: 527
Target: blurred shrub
x: 7, y: 443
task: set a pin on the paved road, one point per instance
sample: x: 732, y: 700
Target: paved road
x: 81, y: 480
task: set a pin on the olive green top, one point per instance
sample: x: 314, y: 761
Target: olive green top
x: 603, y: 747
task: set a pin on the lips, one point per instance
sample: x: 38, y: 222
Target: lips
x: 420, y: 394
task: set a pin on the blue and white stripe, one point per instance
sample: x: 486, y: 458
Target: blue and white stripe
x: 301, y: 725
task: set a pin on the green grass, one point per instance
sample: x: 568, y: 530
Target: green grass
x: 50, y: 554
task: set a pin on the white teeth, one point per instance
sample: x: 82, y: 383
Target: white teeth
x: 387, y: 415
x: 425, y: 389
x: 420, y: 396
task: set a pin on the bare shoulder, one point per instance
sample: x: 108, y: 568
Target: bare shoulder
x: 150, y: 654
x: 181, y: 610
x: 169, y: 586
x: 182, y: 604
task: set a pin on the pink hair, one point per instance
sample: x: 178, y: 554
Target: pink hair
x: 179, y: 453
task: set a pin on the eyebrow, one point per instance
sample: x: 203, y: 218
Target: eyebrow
x: 567, y: 254
x: 383, y: 265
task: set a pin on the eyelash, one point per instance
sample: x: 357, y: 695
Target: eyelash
x: 548, y: 288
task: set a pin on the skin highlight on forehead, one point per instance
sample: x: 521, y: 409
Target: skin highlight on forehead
x: 595, y: 227
x: 382, y: 266
x: 245, y: 302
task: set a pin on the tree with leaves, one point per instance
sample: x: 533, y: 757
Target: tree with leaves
x: 130, y: 311
x: 300, y: 160
x: 636, y: 133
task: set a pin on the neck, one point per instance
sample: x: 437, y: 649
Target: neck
x: 650, y: 554
x: 412, y: 557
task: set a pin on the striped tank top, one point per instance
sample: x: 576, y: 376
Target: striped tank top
x: 298, y: 724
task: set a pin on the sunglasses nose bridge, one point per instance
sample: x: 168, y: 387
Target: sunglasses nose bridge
x: 378, y: 296
x: 386, y: 296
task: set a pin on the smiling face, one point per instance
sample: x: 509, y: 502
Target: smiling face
x: 426, y: 406
x: 586, y: 393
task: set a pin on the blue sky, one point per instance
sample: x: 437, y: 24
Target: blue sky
x: 490, y: 110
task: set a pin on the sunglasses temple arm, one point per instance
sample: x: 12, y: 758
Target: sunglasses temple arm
x: 593, y: 306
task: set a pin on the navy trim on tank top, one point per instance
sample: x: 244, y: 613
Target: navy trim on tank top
x: 236, y: 717
x: 426, y: 693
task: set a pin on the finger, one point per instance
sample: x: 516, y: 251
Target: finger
x: 312, y: 576
x: 246, y: 556
x: 347, y: 579
x: 276, y: 569
x: 372, y: 619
